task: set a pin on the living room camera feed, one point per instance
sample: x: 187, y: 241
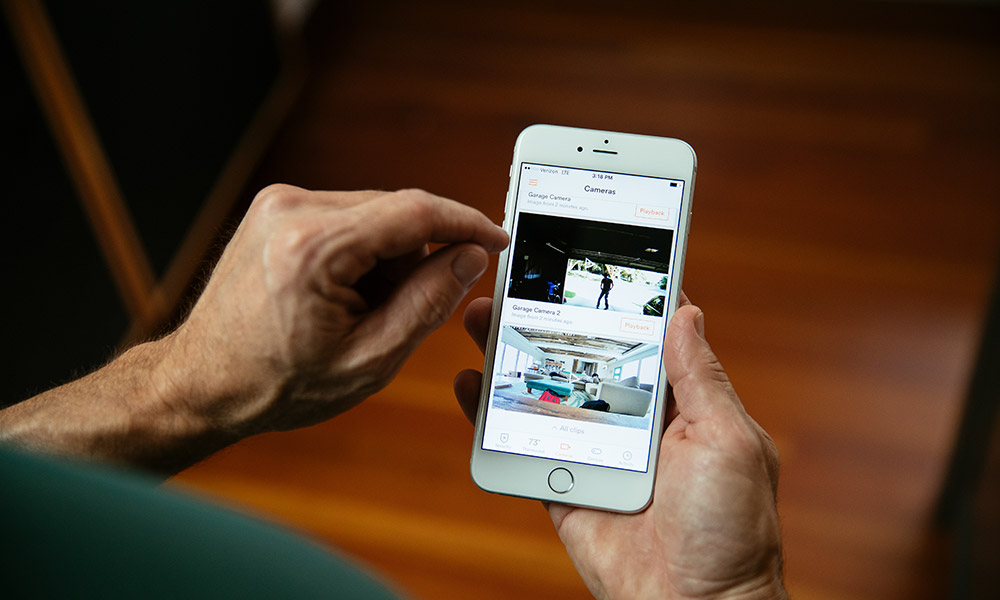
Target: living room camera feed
x: 605, y: 266
x: 573, y: 376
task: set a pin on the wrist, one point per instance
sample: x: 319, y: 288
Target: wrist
x: 210, y: 390
x: 127, y: 412
x: 198, y: 394
x: 161, y: 430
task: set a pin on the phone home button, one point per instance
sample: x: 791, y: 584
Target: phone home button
x: 561, y: 481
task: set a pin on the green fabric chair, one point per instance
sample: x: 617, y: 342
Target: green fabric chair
x: 78, y: 530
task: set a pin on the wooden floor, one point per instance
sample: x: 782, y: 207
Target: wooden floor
x: 846, y: 229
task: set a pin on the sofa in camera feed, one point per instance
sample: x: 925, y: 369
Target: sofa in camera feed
x: 626, y: 397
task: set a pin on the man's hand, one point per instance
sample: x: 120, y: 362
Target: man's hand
x: 319, y: 299
x: 712, y: 528
x: 314, y: 305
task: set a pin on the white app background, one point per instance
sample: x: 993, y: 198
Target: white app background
x: 577, y: 364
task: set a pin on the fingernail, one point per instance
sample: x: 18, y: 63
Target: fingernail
x: 469, y: 266
x: 699, y: 324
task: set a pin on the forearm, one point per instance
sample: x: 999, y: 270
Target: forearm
x: 128, y: 412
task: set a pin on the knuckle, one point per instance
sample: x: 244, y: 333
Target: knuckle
x: 706, y: 378
x: 290, y: 241
x: 769, y: 447
x: 293, y: 249
x: 418, y: 204
x: 436, y: 307
x: 715, y: 372
x: 277, y: 197
x: 415, y: 195
x: 772, y: 460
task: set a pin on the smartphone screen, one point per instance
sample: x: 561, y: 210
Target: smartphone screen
x: 577, y: 364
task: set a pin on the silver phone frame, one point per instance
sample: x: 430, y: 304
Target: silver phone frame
x: 594, y: 486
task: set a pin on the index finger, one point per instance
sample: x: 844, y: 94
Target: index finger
x: 396, y: 224
x: 399, y: 222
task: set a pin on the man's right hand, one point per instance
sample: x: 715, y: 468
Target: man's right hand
x: 318, y: 300
x: 315, y: 304
x: 712, y: 528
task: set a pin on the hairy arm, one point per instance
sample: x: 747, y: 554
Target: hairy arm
x: 126, y: 412
x: 313, y: 306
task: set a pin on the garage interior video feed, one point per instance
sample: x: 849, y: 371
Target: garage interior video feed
x: 605, y: 266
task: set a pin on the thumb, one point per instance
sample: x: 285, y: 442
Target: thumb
x: 701, y: 386
x: 425, y: 299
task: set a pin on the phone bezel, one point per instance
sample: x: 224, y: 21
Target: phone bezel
x: 527, y: 476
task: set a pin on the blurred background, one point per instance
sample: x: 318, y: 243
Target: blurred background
x: 844, y: 246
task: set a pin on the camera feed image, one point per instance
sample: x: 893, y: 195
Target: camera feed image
x: 604, y: 266
x: 621, y: 289
x: 573, y: 376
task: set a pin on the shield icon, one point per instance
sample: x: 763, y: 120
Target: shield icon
x: 504, y: 437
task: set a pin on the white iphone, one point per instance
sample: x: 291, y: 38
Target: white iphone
x: 574, y: 390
